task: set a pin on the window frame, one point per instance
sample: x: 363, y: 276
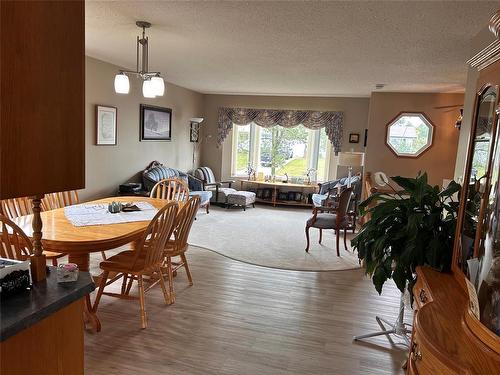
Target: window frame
x: 254, y: 151
x: 430, y: 139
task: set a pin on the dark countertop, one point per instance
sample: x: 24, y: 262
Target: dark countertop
x: 25, y: 309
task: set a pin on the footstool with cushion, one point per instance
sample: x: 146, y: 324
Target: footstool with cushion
x: 241, y: 198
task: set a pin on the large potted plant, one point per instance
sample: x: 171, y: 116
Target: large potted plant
x: 409, y: 227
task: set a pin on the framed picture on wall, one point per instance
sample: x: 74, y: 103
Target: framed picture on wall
x: 105, y: 125
x: 155, y: 123
x: 354, y: 138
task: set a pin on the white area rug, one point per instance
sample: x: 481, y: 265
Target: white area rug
x: 271, y: 237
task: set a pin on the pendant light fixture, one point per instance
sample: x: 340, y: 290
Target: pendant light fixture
x: 153, y: 84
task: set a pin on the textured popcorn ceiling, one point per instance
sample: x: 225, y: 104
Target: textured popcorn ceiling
x: 294, y: 48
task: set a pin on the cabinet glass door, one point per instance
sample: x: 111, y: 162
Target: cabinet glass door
x: 488, y: 276
x: 477, y: 181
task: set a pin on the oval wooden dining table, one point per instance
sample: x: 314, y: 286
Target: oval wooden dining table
x: 59, y: 235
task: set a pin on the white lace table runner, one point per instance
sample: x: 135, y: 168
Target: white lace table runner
x: 82, y: 215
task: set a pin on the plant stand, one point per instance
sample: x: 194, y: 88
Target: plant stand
x: 399, y: 328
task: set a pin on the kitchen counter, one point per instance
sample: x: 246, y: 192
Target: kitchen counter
x: 25, y: 309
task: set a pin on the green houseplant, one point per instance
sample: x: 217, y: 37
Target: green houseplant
x: 408, y: 228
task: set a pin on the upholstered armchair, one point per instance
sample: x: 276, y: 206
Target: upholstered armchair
x: 335, y: 218
x: 220, y: 189
x: 156, y: 172
x: 328, y: 189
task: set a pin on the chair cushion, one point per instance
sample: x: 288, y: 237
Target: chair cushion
x: 204, y: 196
x: 324, y: 221
x: 205, y: 174
x: 242, y: 198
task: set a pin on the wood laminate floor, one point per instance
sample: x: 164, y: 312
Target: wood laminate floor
x: 244, y: 319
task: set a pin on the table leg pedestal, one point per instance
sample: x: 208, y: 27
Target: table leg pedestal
x: 92, y: 322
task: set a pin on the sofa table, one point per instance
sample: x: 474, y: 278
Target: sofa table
x: 304, y: 189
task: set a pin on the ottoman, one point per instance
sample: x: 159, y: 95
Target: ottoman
x: 241, y: 198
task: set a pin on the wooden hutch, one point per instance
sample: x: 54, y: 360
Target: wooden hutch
x: 42, y: 150
x: 456, y: 326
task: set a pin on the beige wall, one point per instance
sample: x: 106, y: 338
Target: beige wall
x: 439, y: 160
x: 219, y: 159
x: 108, y: 166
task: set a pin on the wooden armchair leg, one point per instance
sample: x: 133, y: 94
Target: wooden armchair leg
x: 320, y: 235
x: 208, y: 207
x: 337, y: 235
x: 345, y: 238
x: 307, y: 239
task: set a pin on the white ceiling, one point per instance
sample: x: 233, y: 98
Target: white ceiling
x: 294, y: 48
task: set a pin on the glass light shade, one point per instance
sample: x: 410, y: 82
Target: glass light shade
x: 122, y: 84
x: 148, y: 89
x: 158, y: 85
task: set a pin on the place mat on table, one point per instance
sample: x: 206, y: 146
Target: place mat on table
x: 82, y: 215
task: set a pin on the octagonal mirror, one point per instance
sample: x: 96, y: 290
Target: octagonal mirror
x: 409, y: 134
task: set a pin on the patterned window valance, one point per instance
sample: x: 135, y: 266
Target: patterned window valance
x: 331, y: 121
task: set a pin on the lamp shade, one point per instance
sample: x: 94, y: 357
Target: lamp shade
x: 158, y: 85
x: 351, y: 159
x: 148, y: 90
x: 122, y: 84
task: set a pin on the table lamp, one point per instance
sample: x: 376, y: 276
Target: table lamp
x: 350, y: 160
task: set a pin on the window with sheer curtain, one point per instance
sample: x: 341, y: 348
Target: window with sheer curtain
x: 278, y: 151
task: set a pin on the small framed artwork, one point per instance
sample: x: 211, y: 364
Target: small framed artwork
x: 354, y: 138
x: 194, y: 133
x: 155, y: 123
x: 105, y: 125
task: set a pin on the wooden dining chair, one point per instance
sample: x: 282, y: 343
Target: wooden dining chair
x: 14, y: 243
x: 335, y: 218
x: 60, y: 199
x: 172, y: 189
x: 178, y: 245
x: 16, y: 207
x: 146, y: 259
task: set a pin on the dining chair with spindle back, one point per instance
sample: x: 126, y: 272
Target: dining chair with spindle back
x: 172, y: 189
x: 178, y: 245
x: 16, y: 207
x: 14, y: 243
x: 60, y: 199
x: 335, y: 218
x: 146, y: 259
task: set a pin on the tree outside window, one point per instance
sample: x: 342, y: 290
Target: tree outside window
x: 278, y: 151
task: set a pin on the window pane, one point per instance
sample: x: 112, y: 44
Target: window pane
x: 409, y: 135
x: 242, y: 149
x: 284, y: 150
x: 322, y: 170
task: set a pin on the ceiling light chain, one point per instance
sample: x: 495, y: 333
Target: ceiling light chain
x: 153, y: 84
